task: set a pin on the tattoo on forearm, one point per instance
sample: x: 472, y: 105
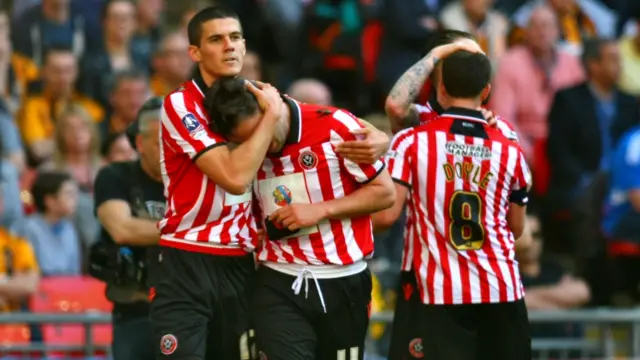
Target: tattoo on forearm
x: 410, y: 83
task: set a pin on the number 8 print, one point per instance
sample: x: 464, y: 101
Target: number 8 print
x: 466, y: 231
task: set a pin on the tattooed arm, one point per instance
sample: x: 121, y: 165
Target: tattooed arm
x: 399, y: 104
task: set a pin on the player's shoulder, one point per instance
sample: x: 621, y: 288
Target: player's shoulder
x: 506, y: 129
x: 183, y: 93
x: 329, y: 116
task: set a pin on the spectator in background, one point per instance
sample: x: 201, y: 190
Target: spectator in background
x: 148, y: 33
x: 19, y: 274
x: 547, y: 284
x: 50, y: 23
x: 621, y: 222
x: 252, y: 66
x: 489, y: 27
x: 50, y: 230
x: 528, y: 77
x: 407, y: 26
x: 16, y: 70
x: 11, y: 149
x: 585, y: 122
x: 129, y: 92
x: 579, y: 20
x: 310, y: 91
x: 630, y: 55
x: 117, y: 148
x: 37, y: 117
x: 171, y: 63
x: 117, y: 54
x: 77, y: 152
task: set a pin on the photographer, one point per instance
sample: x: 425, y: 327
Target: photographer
x: 129, y: 200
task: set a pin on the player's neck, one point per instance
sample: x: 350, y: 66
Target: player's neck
x: 473, y: 104
x: 206, y: 77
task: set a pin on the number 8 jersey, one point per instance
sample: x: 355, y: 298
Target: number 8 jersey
x: 462, y: 175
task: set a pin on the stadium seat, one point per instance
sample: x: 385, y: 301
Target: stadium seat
x: 72, y: 295
x: 14, y: 334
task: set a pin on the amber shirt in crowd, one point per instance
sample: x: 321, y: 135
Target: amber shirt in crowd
x: 17, y: 257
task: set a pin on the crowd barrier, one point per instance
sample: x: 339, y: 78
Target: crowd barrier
x: 617, y: 335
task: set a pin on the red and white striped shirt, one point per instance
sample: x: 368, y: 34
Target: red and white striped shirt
x: 427, y: 113
x: 309, y: 171
x: 461, y: 173
x: 200, y: 215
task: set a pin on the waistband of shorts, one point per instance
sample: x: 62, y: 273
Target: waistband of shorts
x: 319, y: 271
x: 202, y: 247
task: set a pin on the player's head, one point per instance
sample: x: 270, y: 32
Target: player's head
x: 216, y: 42
x: 145, y: 134
x: 443, y: 37
x: 235, y: 112
x: 465, y: 76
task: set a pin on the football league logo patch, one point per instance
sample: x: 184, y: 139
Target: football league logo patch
x: 191, y: 123
x: 308, y: 160
x: 168, y: 344
x: 282, y: 195
x: 416, y: 349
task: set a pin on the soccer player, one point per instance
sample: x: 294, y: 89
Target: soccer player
x: 199, y: 307
x: 403, y: 113
x: 315, y: 205
x: 467, y: 188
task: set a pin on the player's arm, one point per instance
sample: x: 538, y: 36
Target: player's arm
x: 231, y: 168
x: 114, y: 212
x: 26, y: 277
x: 519, y: 197
x: 398, y: 160
x: 399, y: 103
x: 369, y: 145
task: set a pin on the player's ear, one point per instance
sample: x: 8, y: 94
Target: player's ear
x: 194, y: 53
x: 486, y: 92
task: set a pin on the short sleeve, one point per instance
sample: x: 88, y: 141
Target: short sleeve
x: 341, y: 131
x: 24, y: 256
x: 630, y: 174
x: 110, y: 184
x: 425, y: 113
x: 184, y: 128
x: 506, y: 129
x: 399, y: 157
x: 522, y: 175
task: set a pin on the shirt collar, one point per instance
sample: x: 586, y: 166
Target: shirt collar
x: 199, y: 81
x: 295, y: 121
x: 435, y: 105
x: 465, y: 114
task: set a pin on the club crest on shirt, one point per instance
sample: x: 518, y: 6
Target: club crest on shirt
x: 416, y: 349
x: 308, y: 160
x: 191, y: 123
x: 168, y: 344
x: 282, y: 195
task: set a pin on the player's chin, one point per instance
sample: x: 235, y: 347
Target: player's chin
x: 230, y: 68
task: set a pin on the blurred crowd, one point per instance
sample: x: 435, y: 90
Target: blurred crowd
x: 74, y: 73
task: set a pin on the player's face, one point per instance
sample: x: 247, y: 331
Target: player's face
x: 222, y: 48
x: 248, y: 126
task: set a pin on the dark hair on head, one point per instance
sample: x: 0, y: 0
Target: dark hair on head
x: 194, y: 28
x: 47, y: 183
x: 55, y: 49
x: 108, y: 142
x: 229, y: 102
x: 445, y: 37
x: 107, y: 4
x: 465, y: 74
x: 592, y: 50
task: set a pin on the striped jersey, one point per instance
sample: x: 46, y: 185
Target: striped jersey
x: 428, y: 112
x: 308, y: 170
x: 200, y: 215
x: 461, y: 172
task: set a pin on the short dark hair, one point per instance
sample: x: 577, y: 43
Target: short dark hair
x: 228, y: 102
x: 194, y: 28
x: 55, y: 49
x: 107, y: 4
x: 465, y: 74
x: 445, y: 37
x: 592, y: 50
x: 47, y: 183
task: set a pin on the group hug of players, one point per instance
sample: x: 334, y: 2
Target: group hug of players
x: 256, y: 180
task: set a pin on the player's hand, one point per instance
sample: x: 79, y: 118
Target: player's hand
x: 298, y: 216
x: 491, y: 118
x: 269, y: 99
x: 370, y: 146
x: 443, y: 51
